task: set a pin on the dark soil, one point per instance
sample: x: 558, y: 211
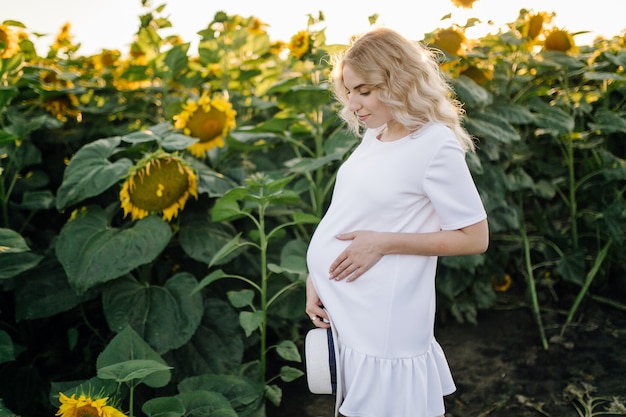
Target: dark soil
x: 502, y: 370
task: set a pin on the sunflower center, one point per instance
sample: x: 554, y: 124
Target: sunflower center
x: 558, y: 41
x: 159, y: 185
x: 87, y: 411
x: 206, y: 126
x: 450, y: 41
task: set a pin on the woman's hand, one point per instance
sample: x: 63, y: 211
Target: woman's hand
x: 314, y: 307
x: 362, y: 253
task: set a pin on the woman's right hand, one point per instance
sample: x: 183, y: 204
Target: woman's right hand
x: 314, y: 308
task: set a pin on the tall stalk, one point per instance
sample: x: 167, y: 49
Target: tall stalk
x: 530, y: 275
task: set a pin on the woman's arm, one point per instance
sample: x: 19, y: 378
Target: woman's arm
x: 314, y: 308
x: 368, y: 247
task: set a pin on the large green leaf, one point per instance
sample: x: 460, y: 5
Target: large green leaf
x: 206, y: 404
x: 90, y: 173
x: 306, y: 97
x: 243, y: 393
x: 163, y: 407
x: 166, y: 317
x: 470, y: 93
x: 201, y: 238
x: 44, y: 292
x: 127, y: 345
x: 492, y: 127
x: 12, y: 242
x: 15, y: 255
x: 217, y: 345
x: 92, y: 252
x: 552, y: 117
x: 133, y: 370
x: 6, y: 94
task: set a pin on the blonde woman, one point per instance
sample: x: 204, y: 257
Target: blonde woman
x: 404, y: 197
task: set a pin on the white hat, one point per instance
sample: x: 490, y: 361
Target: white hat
x: 321, y: 361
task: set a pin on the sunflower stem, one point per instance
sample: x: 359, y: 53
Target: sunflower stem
x: 264, y: 277
x: 531, y: 284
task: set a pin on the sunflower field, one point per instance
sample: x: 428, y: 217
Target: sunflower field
x: 156, y: 204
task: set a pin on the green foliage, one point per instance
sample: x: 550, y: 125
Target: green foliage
x: 201, y: 313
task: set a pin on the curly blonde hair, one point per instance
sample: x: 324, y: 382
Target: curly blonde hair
x: 408, y: 78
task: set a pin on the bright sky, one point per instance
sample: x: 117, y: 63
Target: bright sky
x: 110, y: 24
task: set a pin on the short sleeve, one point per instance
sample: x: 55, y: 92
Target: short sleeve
x: 451, y: 188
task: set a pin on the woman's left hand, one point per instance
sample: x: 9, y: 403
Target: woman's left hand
x: 358, y: 257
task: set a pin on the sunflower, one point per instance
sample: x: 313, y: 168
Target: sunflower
x: 535, y: 24
x: 208, y: 120
x: 63, y: 106
x: 479, y: 75
x: 451, y: 41
x: 63, y: 41
x: 560, y: 40
x: 502, y: 284
x: 299, y: 44
x: 85, y: 406
x: 467, y: 4
x: 159, y: 183
x: 256, y: 26
x: 9, y: 42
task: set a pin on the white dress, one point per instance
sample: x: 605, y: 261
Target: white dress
x: 390, y: 363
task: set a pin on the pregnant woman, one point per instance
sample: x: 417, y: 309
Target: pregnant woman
x: 404, y: 197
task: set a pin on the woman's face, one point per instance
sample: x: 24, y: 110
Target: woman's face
x: 363, y: 100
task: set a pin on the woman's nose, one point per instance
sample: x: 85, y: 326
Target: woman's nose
x: 353, y: 105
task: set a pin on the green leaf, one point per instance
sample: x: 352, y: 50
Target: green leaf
x: 274, y: 394
x: 201, y: 238
x: 132, y: 370
x: 126, y: 346
x: 608, y: 122
x: 92, y: 252
x: 163, y: 407
x: 614, y: 217
x: 165, y: 316
x: 244, y: 394
x: 37, y: 200
x: 304, y: 165
x: 175, y: 61
x: 227, y: 208
x: 210, y: 182
x: 242, y: 298
x: 603, y: 76
x: 572, y: 267
x: 13, y: 264
x: 43, y: 291
x: 206, y: 404
x: 250, y: 321
x: 289, y: 374
x: 6, y: 94
x: 217, y: 346
x: 491, y: 126
x: 177, y: 142
x: 142, y: 136
x: 552, y: 117
x: 209, y: 279
x: 25, y: 155
x: 90, y: 173
x: 305, y: 98
x: 512, y: 113
x: 470, y: 93
x: 11, y: 64
x: 7, y: 353
x: 288, y: 351
x: 12, y: 242
x: 226, y: 250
